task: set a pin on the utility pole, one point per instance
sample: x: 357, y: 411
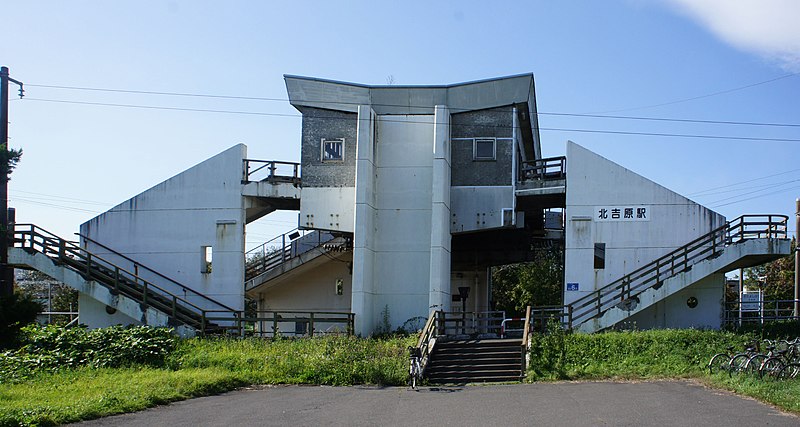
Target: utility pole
x: 796, y: 313
x: 6, y: 273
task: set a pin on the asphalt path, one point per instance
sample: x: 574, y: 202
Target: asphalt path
x: 658, y: 403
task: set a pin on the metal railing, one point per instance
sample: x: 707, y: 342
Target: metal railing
x: 286, y: 323
x: 280, y: 249
x: 653, y: 274
x: 759, y: 311
x: 427, y: 340
x: 118, y: 280
x: 271, y: 171
x: 470, y: 323
x: 544, y: 169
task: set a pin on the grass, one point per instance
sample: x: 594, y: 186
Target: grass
x: 200, y: 367
x: 86, y: 393
x: 655, y: 354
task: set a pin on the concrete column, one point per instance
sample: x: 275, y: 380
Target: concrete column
x: 439, y: 297
x: 364, y: 225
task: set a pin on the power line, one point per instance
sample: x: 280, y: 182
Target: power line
x: 599, y: 131
x: 678, y: 101
x: 755, y: 191
x: 754, y: 197
x: 743, y: 182
x: 257, y: 98
x: 666, y: 119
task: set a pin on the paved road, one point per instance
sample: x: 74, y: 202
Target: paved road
x: 660, y: 403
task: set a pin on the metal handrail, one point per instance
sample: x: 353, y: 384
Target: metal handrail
x: 90, y: 264
x: 653, y: 274
x: 138, y: 265
x: 524, y: 344
x: 544, y: 169
x: 252, y: 166
x: 275, y: 317
x: 427, y: 339
x: 268, y: 255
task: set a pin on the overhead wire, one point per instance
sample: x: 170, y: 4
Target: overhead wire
x: 598, y: 131
x: 257, y: 98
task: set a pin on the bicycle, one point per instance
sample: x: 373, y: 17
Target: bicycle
x: 414, y: 368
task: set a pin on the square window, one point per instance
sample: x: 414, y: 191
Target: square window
x: 333, y: 150
x: 484, y: 149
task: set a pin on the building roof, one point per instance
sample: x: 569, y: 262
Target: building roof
x: 517, y: 90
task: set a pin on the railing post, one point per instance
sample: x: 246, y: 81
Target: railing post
x: 144, y: 294
x: 274, y: 324
x: 569, y: 319
x: 174, y: 306
x: 116, y: 279
x: 311, y: 324
x: 599, y: 304
x: 203, y: 322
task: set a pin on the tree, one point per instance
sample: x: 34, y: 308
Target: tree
x: 50, y: 293
x: 777, y: 277
x: 535, y: 283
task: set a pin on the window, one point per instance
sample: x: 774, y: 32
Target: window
x: 333, y: 150
x: 599, y: 255
x: 206, y: 253
x: 483, y: 149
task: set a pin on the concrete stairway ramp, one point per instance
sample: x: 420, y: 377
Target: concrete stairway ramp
x: 288, y: 252
x: 475, y: 361
x: 747, y: 241
x: 106, y: 282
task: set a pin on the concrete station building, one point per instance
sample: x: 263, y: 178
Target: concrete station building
x: 407, y: 194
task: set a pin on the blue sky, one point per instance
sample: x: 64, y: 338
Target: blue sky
x: 655, y: 59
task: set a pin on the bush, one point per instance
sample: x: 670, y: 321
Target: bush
x: 642, y: 354
x: 48, y: 348
x: 787, y: 329
x: 16, y: 311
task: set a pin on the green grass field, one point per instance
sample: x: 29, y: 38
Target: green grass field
x: 199, y: 367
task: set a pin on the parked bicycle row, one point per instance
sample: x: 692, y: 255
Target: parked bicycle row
x: 768, y: 359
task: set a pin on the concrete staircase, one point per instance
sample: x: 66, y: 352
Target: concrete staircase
x: 107, y: 282
x: 747, y: 241
x: 475, y: 361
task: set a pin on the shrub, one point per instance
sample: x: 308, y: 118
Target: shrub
x: 47, y: 348
x: 16, y: 311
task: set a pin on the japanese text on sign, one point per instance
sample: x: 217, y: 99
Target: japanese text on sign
x: 622, y: 213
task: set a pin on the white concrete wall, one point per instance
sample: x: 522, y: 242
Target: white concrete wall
x: 364, y: 223
x: 595, y: 183
x: 673, y: 312
x: 311, y: 289
x: 439, y: 296
x: 328, y: 208
x: 166, y: 226
x: 403, y: 214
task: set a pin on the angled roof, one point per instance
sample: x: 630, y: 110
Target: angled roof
x: 517, y: 90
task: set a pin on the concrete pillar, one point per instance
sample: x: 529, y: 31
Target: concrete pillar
x: 364, y: 225
x: 439, y: 297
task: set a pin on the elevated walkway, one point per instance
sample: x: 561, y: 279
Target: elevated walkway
x: 268, y: 186
x: 113, y: 285
x: 747, y: 241
x: 542, y: 184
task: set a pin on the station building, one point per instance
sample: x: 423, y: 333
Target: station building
x: 406, y: 196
